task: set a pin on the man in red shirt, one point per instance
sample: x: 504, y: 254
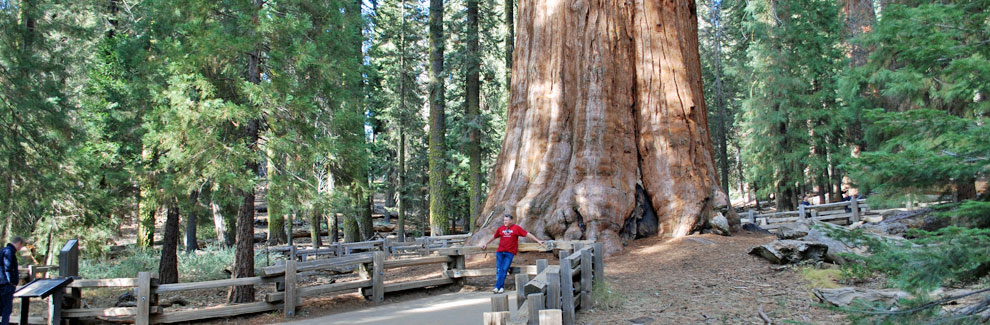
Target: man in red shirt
x: 508, y: 245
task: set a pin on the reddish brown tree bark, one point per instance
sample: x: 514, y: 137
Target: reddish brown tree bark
x: 606, y: 97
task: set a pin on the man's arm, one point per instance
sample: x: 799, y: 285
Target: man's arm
x: 6, y: 265
x: 533, y: 238
x: 485, y: 245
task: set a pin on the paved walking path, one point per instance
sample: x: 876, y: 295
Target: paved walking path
x: 450, y: 308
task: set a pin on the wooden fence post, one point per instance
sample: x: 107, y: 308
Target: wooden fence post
x: 566, y: 289
x: 586, y: 299
x: 387, y: 245
x: 801, y: 211
x: 68, y: 265
x: 551, y: 317
x: 500, y: 302
x: 599, y: 262
x: 535, y: 303
x: 541, y: 264
x: 142, y: 316
x: 496, y: 318
x: 521, y: 280
x: 854, y: 203
x: 290, y: 287
x: 752, y: 216
x: 553, y: 290
x: 378, y: 277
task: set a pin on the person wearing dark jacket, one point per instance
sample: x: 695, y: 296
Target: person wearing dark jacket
x: 9, y: 277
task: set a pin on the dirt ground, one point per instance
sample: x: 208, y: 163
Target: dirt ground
x: 706, y: 279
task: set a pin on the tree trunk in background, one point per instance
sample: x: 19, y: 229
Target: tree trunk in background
x: 860, y: 17
x: 439, y: 203
x: 314, y: 228
x: 168, y: 268
x: 402, y: 183
x: 191, y: 217
x: 721, y: 124
x: 244, y: 255
x: 218, y: 223
x: 361, y: 187
x: 965, y: 189
x: 472, y: 102
x: 288, y: 226
x: 510, y: 38
x: 332, y: 228
x: 402, y: 127
x: 146, y: 224
x: 609, y: 97
x: 276, y: 228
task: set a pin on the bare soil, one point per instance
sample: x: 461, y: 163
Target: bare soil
x: 704, y: 279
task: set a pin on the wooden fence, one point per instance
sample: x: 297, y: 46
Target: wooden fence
x: 421, y: 246
x: 370, y: 266
x: 844, y: 213
x: 557, y: 291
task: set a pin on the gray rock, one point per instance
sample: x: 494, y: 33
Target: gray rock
x: 790, y: 251
x: 754, y: 228
x: 835, y: 247
x: 793, y: 230
x: 720, y: 225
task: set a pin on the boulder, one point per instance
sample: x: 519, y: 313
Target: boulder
x: 790, y: 251
x: 793, y: 230
x: 835, y: 247
x: 126, y: 299
x: 844, y: 296
x: 754, y: 228
x: 720, y: 225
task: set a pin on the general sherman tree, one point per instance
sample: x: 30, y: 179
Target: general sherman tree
x: 607, y: 134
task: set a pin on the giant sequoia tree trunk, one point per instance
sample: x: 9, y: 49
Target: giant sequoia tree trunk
x: 606, y: 96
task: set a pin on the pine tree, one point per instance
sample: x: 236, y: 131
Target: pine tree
x: 439, y: 209
x: 790, y: 115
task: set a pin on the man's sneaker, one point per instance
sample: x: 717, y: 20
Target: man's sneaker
x: 501, y: 290
x: 495, y: 291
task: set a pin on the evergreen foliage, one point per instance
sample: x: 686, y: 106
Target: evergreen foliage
x: 791, y: 112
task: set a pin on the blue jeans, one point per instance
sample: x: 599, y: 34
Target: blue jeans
x: 502, y: 262
x: 6, y: 302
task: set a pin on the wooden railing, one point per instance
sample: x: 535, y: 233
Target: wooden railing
x: 557, y: 291
x: 846, y: 212
x: 370, y: 267
x: 421, y: 246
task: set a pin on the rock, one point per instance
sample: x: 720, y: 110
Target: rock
x: 754, y: 228
x: 886, y: 228
x: 126, y: 299
x: 641, y: 320
x: 790, y: 251
x: 819, y: 233
x: 844, y: 296
x: 720, y: 225
x: 793, y: 230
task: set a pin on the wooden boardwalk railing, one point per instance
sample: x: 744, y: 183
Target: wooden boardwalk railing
x: 557, y: 291
x: 844, y: 213
x: 370, y: 266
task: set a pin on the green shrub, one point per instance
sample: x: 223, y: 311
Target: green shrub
x: 203, y: 265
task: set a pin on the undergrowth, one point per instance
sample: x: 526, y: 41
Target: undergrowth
x: 202, y: 265
x: 605, y: 296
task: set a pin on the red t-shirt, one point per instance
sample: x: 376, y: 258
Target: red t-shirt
x: 509, y: 238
